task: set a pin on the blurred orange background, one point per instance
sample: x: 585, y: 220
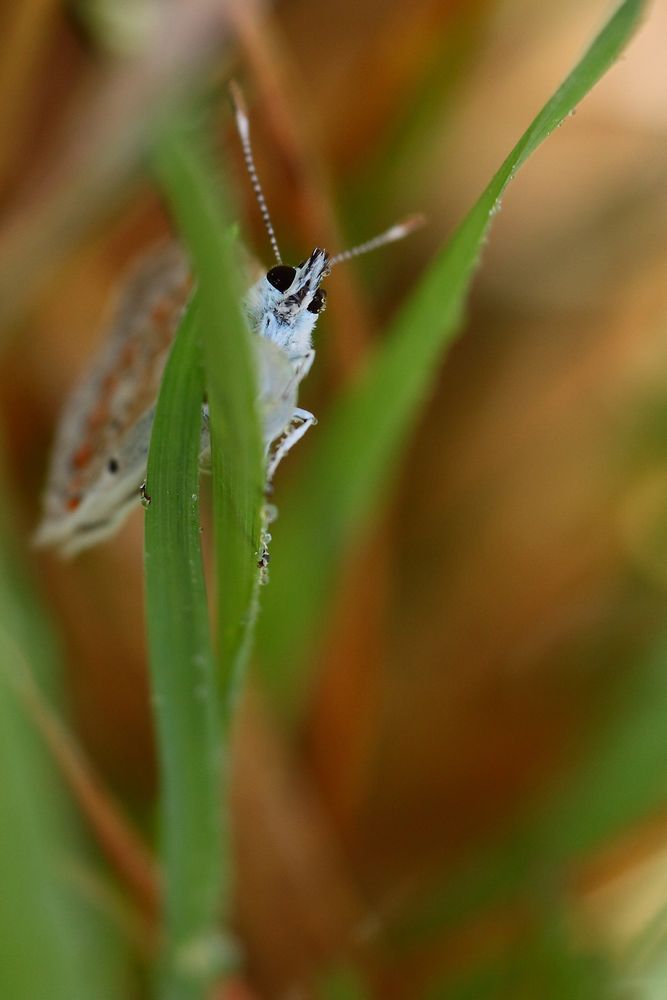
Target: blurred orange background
x: 487, y: 621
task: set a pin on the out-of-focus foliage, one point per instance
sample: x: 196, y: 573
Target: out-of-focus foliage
x: 366, y: 432
x: 54, y: 941
x: 469, y: 800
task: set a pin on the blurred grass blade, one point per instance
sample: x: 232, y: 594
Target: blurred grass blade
x: 184, y: 685
x: 194, y: 190
x: 343, y: 982
x: 361, y: 438
x: 51, y: 944
x: 624, y: 777
x: 38, y: 945
x: 407, y: 150
x: 621, y: 781
x: 546, y: 962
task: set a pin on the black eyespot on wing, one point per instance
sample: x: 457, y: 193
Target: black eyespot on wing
x: 318, y: 302
x: 112, y: 465
x: 281, y: 276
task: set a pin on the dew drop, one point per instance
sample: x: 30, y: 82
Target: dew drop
x: 269, y: 513
x: 145, y: 498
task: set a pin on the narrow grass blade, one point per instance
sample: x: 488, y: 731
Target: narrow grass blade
x: 360, y: 440
x: 194, y: 701
x: 621, y: 781
x: 51, y: 944
x: 344, y: 982
x: 408, y: 148
x: 546, y: 962
x: 195, y: 193
x: 38, y: 940
x: 184, y: 686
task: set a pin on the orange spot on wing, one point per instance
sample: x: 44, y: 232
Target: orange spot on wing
x: 82, y: 457
x: 127, y: 355
x: 160, y: 313
x: 99, y: 416
x: 73, y: 503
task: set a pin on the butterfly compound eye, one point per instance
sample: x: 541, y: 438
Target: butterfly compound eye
x: 281, y: 276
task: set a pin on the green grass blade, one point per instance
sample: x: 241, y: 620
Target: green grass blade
x: 51, y: 943
x: 194, y: 191
x: 360, y: 440
x: 547, y: 962
x: 194, y: 701
x: 183, y: 675
x: 624, y: 778
x: 343, y: 982
x: 408, y: 148
x: 620, y: 782
x: 38, y: 957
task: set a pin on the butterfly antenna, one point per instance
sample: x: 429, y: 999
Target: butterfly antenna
x: 397, y: 232
x: 243, y: 128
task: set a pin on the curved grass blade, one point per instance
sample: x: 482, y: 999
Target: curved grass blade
x: 183, y: 677
x: 361, y: 438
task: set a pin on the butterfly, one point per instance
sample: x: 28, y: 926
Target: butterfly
x: 98, y: 463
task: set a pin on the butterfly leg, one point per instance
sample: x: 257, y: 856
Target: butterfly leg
x: 294, y: 431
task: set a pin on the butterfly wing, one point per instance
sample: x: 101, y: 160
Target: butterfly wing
x: 99, y: 456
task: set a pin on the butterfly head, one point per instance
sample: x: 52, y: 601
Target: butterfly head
x: 284, y: 304
x: 293, y: 290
